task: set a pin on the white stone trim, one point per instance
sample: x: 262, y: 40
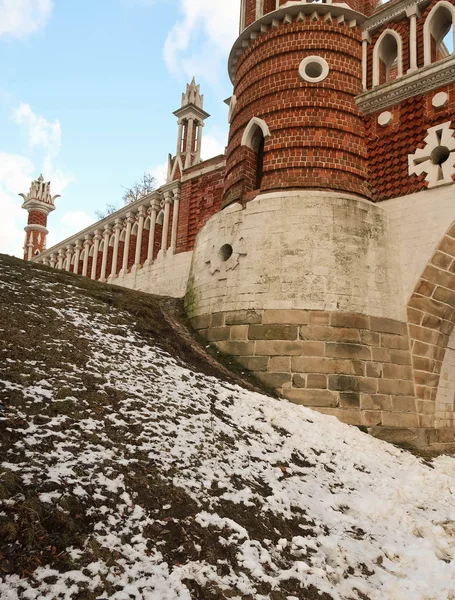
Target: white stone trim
x: 204, y: 171
x: 418, y: 82
x: 439, y: 136
x: 427, y: 28
x: 310, y: 60
x: 40, y: 228
x: 391, y: 13
x: 377, y: 50
x: 248, y: 134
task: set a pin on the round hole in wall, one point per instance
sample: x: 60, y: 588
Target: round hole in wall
x: 439, y: 155
x: 225, y: 252
x: 313, y: 69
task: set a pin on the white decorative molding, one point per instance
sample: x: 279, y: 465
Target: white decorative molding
x: 297, y: 11
x: 313, y: 69
x: 437, y: 158
x: 385, y: 118
x: 412, y: 84
x: 427, y: 32
x: 248, y: 134
x: 225, y: 255
x: 440, y: 99
x: 395, y: 12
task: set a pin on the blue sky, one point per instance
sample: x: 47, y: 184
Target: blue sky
x: 87, y: 92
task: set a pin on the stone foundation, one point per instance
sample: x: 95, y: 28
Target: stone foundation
x: 353, y: 366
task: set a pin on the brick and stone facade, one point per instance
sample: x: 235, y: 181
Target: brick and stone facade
x: 319, y: 251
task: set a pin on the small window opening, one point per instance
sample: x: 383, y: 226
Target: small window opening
x: 258, y: 144
x: 388, y: 59
x: 225, y: 252
x: 441, y: 34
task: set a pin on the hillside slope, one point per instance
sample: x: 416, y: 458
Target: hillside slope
x: 128, y: 470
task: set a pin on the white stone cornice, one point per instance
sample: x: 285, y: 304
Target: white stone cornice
x: 394, y: 12
x: 415, y: 83
x: 285, y: 14
x: 38, y: 206
x: 40, y: 228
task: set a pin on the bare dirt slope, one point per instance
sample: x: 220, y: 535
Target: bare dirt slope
x: 132, y: 466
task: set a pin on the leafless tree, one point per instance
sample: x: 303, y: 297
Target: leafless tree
x: 141, y: 188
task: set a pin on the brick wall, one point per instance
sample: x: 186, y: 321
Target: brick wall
x: 389, y: 147
x: 200, y: 199
x: 317, y: 134
x: 36, y: 217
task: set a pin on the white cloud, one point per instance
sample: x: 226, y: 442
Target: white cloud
x: 217, y: 22
x: 16, y: 172
x: 159, y: 173
x: 20, y: 18
x: 213, y: 143
x: 41, y: 133
x: 67, y: 225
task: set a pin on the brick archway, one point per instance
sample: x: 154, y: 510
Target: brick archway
x: 431, y: 318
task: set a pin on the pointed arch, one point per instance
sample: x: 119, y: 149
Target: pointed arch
x: 112, y: 240
x: 160, y: 218
x: 439, y: 22
x: 250, y: 135
x: 387, y: 55
x: 147, y: 223
x: 431, y: 318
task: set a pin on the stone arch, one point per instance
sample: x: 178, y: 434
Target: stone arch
x: 439, y: 22
x: 160, y: 218
x: 251, y: 131
x: 431, y: 318
x: 388, y: 51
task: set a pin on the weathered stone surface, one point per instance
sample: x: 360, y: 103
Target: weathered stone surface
x: 286, y: 317
x: 374, y: 369
x: 319, y: 317
x: 375, y: 402
x: 278, y: 348
x: 311, y: 397
x: 332, y: 334
x: 404, y: 404
x: 216, y: 334
x: 348, y: 351
x: 371, y: 418
x: 396, y: 342
x: 301, y: 364
x: 316, y: 381
x: 280, y: 364
x: 369, y: 338
x: 395, y: 387
x: 394, y: 419
x: 239, y: 332
x: 236, y: 348
x: 299, y: 380
x: 243, y: 317
x: 349, y: 400
x: 384, y: 325
x: 275, y: 380
x: 254, y: 363
x: 343, y: 383
x: 391, y: 371
x: 218, y: 319
x: 444, y: 295
x: 273, y: 332
x: 201, y: 322
x: 415, y: 316
x: 354, y: 320
x: 439, y: 259
x: 400, y: 357
x: 313, y: 348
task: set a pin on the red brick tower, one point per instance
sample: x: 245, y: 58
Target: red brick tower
x: 294, y: 121
x: 38, y: 203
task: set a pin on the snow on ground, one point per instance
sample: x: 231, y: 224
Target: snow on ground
x: 244, y: 496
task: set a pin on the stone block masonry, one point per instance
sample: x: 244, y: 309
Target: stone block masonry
x: 353, y: 366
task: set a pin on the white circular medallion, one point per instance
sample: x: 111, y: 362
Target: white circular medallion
x: 313, y: 69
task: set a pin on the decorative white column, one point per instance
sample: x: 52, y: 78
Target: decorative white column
x: 77, y: 256
x: 117, y: 228
x: 165, y: 231
x: 45, y: 261
x: 140, y: 230
x: 69, y: 254
x: 189, y: 144
x: 366, y: 39
x: 97, y: 239
x: 179, y: 138
x: 86, y: 253
x: 126, y: 248
x: 175, y: 220
x: 107, y: 236
x: 53, y: 260
x: 199, y: 142
x: 30, y: 246
x: 412, y: 12
x: 154, y: 208
x: 61, y: 258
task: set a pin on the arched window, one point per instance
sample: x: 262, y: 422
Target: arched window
x: 254, y: 138
x: 387, y: 57
x: 439, y: 32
